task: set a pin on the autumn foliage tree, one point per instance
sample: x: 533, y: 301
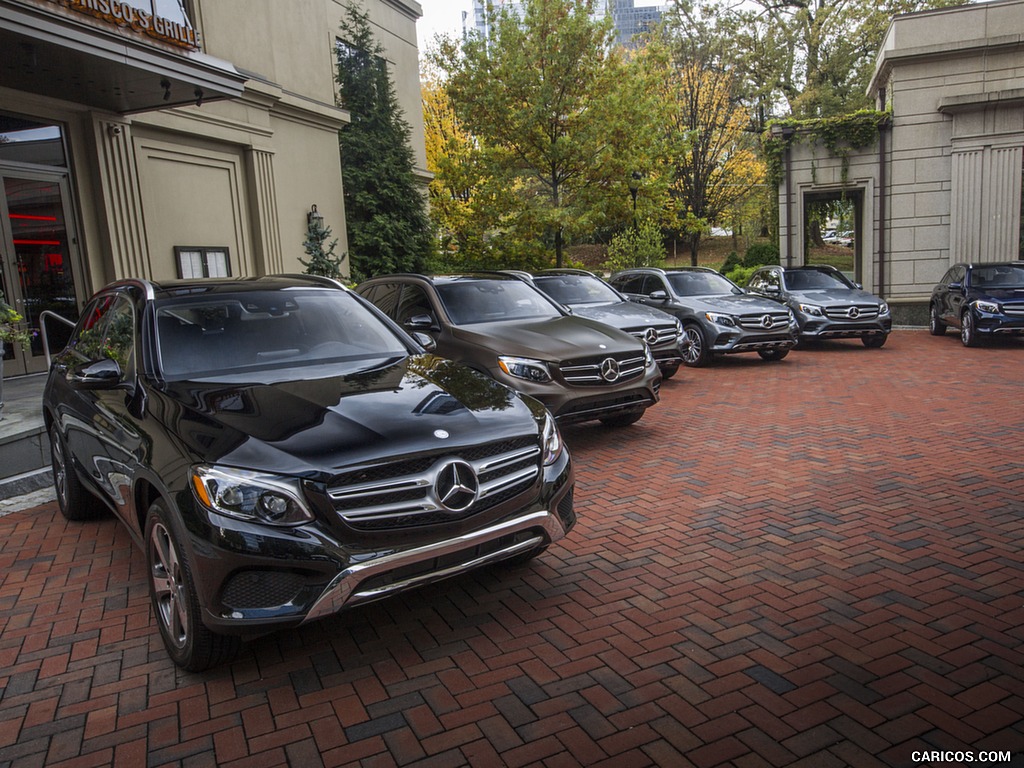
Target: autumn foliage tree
x: 557, y: 117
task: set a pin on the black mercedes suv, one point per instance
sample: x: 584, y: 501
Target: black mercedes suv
x: 718, y: 317
x: 982, y: 300
x: 280, y: 451
x: 502, y: 326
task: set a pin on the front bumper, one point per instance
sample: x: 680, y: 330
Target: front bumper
x: 254, y: 579
x: 732, y: 341
x: 998, y: 324
x: 568, y: 403
x: 823, y: 328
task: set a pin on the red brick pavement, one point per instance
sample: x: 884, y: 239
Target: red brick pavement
x: 816, y: 562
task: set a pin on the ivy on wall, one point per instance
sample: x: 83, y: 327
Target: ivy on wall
x: 839, y: 135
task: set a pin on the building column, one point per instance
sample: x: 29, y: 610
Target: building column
x: 122, y: 202
x: 267, y: 252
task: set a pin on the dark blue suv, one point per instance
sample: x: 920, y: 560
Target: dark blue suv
x: 982, y: 300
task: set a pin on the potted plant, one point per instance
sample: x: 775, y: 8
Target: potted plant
x: 11, y: 332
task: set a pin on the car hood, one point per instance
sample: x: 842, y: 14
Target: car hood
x: 996, y: 294
x: 553, y: 339
x: 314, y: 428
x: 624, y: 314
x: 732, y: 303
x: 835, y: 296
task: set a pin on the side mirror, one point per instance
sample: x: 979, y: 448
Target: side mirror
x: 98, y: 374
x: 860, y: 286
x: 425, y: 341
x: 956, y: 286
x: 658, y: 296
x: 419, y: 323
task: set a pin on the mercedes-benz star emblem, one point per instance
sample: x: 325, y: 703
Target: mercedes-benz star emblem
x: 853, y: 312
x: 651, y: 336
x: 610, y: 369
x: 456, y: 486
x: 767, y: 322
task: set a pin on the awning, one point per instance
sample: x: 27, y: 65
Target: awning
x: 60, y: 56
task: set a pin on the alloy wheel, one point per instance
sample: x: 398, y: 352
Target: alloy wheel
x: 692, y: 345
x: 170, y: 592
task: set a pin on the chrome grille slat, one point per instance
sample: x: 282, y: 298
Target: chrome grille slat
x: 753, y: 322
x: 864, y: 312
x: 589, y: 371
x: 409, y: 499
x: 1014, y: 309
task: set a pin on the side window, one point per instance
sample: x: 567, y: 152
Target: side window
x: 385, y: 297
x: 756, y: 282
x: 119, y: 339
x: 87, y: 341
x: 771, y: 279
x: 414, y: 302
x: 628, y: 283
x: 653, y: 283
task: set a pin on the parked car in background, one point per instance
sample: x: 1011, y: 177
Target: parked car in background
x: 500, y: 325
x: 718, y: 317
x: 587, y: 295
x: 825, y: 303
x: 982, y: 300
x: 281, y: 451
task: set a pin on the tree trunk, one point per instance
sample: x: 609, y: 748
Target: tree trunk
x: 694, y: 247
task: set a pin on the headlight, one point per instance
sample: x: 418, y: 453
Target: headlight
x: 883, y: 308
x: 812, y: 309
x: 987, y: 306
x: 524, y: 368
x: 679, y: 327
x: 552, y: 441
x: 648, y: 357
x: 719, y: 319
x: 254, y: 496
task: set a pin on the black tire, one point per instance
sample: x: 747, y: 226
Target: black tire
x: 76, y: 502
x: 668, y: 371
x: 693, y: 347
x: 772, y: 355
x: 623, y: 419
x: 935, y: 325
x: 968, y: 332
x: 874, y: 340
x: 190, y: 643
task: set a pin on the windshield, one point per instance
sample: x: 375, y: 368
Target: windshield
x: 701, y: 284
x: 1001, y: 276
x: 210, y: 335
x: 494, y: 301
x: 577, y: 289
x: 814, y: 280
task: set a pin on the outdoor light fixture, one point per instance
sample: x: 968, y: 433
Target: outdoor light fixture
x: 314, y: 218
x: 166, y: 85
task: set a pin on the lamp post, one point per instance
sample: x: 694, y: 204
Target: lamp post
x: 314, y: 219
x: 634, y: 187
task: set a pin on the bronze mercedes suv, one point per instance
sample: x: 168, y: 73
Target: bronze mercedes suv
x: 501, y: 325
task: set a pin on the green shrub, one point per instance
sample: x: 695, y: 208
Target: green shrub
x: 760, y: 254
x: 640, y: 246
x: 740, y: 275
x: 732, y: 261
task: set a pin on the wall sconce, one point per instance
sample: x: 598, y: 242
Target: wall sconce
x: 314, y: 218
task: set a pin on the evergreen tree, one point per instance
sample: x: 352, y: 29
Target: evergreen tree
x: 322, y: 261
x: 388, y: 227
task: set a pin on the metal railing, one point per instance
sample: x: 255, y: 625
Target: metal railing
x: 42, y: 330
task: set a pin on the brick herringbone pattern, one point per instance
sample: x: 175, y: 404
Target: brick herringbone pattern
x: 814, y: 563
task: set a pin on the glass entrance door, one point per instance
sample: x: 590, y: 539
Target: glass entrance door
x: 37, y: 264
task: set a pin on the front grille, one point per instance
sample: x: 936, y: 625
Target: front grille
x: 403, y: 494
x: 1016, y: 310
x: 588, y: 371
x: 852, y: 312
x: 757, y: 322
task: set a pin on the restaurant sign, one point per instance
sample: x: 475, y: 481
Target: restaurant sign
x: 126, y: 15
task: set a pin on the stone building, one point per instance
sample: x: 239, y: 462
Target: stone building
x: 158, y: 138
x: 943, y: 183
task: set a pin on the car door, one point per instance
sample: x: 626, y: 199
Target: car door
x: 102, y: 432
x: 953, y: 294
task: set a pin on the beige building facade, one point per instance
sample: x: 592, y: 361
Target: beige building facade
x: 158, y: 139
x: 944, y: 183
